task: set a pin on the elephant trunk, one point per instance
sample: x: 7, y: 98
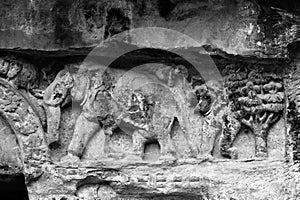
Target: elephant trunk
x: 53, y: 99
x: 53, y: 121
x: 54, y: 96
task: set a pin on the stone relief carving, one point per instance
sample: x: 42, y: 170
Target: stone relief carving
x: 18, y: 78
x: 203, y: 97
x: 144, y: 115
x: 23, y: 76
x: 257, y: 101
x: 104, y: 108
x: 19, y: 73
x: 167, y: 73
x: 178, y: 127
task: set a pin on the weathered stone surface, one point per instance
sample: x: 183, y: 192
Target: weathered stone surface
x: 107, y: 127
x: 235, y: 27
x: 182, y: 180
x: 22, y: 116
x: 182, y: 99
x: 11, y: 162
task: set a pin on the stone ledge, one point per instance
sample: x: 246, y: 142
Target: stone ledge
x: 215, y: 179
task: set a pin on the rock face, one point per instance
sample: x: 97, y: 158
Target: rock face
x: 164, y: 99
x: 236, y: 27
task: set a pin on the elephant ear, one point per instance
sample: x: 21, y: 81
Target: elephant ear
x: 59, y: 88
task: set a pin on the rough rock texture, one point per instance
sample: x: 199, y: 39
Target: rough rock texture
x: 164, y: 99
x: 184, y: 180
x: 235, y: 27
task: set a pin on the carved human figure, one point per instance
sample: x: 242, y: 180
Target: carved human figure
x: 201, y: 99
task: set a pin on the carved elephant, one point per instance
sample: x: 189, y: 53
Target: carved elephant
x: 69, y: 86
x: 93, y: 93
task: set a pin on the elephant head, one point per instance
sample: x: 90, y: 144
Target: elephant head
x: 55, y: 95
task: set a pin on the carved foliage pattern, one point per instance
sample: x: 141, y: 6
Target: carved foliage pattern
x: 27, y: 127
x: 20, y: 115
x: 256, y: 100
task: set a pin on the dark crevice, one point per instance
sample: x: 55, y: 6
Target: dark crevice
x: 62, y: 30
x: 268, y: 21
x: 54, y: 145
x: 92, y: 180
x: 151, y: 150
x: 165, y: 7
x: 175, y: 126
x: 294, y: 50
x: 292, y: 6
x: 93, y: 15
x: 116, y: 22
x: 14, y: 188
x: 131, y: 194
x: 151, y: 55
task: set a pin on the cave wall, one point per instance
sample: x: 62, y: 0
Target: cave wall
x: 164, y: 99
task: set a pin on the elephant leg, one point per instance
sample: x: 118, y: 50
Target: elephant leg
x: 164, y: 138
x: 53, y: 122
x: 230, y: 130
x: 83, y: 131
x: 167, y: 152
x: 138, y: 141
